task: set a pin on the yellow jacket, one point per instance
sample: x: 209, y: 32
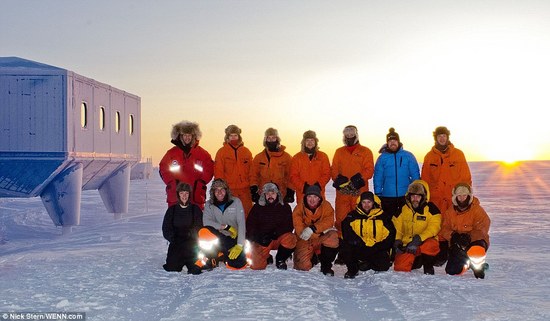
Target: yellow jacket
x: 425, y: 223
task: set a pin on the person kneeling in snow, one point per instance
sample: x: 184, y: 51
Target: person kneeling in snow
x: 223, y: 234
x: 314, y: 225
x: 466, y: 228
x: 181, y: 223
x: 417, y: 226
x: 269, y: 227
x: 368, y: 235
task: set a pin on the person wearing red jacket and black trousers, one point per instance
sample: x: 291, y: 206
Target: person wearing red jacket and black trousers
x: 186, y: 162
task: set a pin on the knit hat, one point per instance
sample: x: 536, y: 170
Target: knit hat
x: 310, y: 134
x: 462, y: 189
x: 313, y: 190
x: 351, y: 130
x: 441, y: 130
x: 366, y: 196
x: 392, y: 135
x: 271, y: 132
x: 232, y: 129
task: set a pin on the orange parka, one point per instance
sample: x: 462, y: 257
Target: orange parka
x: 272, y: 167
x: 232, y: 164
x: 348, y: 161
x: 322, y: 218
x: 473, y: 221
x: 305, y: 170
x: 442, y: 171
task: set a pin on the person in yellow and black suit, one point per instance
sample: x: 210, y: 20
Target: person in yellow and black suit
x: 417, y: 226
x: 368, y: 235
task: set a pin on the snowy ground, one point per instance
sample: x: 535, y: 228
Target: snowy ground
x: 112, y: 269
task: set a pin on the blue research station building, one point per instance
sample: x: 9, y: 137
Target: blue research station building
x: 62, y: 133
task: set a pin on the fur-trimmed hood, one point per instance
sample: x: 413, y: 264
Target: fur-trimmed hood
x: 186, y: 127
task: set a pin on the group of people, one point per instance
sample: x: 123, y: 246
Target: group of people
x: 412, y: 219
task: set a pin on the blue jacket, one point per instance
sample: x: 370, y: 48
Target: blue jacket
x: 394, y: 172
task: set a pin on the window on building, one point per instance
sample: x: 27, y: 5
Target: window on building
x: 131, y: 125
x: 117, y: 122
x: 101, y: 118
x: 84, y: 114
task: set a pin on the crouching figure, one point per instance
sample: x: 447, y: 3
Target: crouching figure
x: 417, y: 226
x: 269, y: 227
x: 368, y: 236
x: 466, y: 228
x: 223, y: 236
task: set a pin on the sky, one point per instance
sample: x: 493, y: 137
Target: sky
x: 478, y: 67
x: 111, y: 269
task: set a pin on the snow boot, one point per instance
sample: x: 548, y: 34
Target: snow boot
x: 270, y: 259
x: 480, y: 274
x: 443, y: 254
x: 353, y: 269
x: 193, y: 269
x: 428, y: 262
x: 326, y: 258
x: 282, y: 255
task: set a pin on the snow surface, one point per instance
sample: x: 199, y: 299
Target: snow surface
x: 111, y: 269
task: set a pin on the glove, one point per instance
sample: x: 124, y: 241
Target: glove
x: 289, y: 197
x: 232, y: 231
x: 306, y: 233
x: 235, y: 251
x: 412, y: 247
x: 254, y: 193
x: 357, y: 181
x: 462, y: 240
x: 340, y: 182
x: 266, y: 240
x: 398, y: 247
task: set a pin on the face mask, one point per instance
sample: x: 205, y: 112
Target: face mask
x: 350, y: 141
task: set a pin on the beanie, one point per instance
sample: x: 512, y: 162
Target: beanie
x: 392, y: 135
x: 367, y: 196
x: 313, y: 190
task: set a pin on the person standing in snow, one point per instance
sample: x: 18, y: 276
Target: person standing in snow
x: 352, y: 167
x: 269, y: 227
x: 416, y: 228
x: 232, y: 164
x: 314, y: 226
x: 186, y: 162
x: 309, y: 166
x: 367, y: 237
x: 180, y: 226
x: 444, y: 166
x: 394, y: 171
x: 466, y: 228
x: 272, y: 165
x: 224, y: 231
